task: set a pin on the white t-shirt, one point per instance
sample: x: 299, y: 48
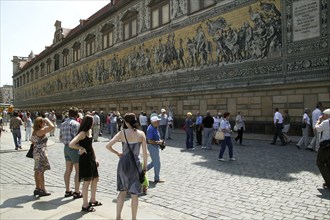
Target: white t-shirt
x: 315, y: 116
x: 143, y: 120
x: 278, y: 116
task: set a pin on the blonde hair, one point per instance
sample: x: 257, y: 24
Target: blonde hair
x: 37, y: 125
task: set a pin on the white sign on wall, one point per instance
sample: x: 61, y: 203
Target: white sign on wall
x: 306, y: 19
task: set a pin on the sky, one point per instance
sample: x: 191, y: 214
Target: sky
x: 28, y: 25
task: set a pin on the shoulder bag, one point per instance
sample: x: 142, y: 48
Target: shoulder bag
x: 30, y: 152
x: 219, y: 135
x: 141, y: 174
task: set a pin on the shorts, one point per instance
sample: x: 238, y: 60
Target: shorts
x: 286, y: 128
x: 71, y: 154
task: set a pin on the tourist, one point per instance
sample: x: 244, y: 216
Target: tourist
x: 69, y: 129
x: 199, y: 128
x: 278, y: 123
x: 207, y: 124
x: 41, y: 127
x: 240, y: 127
x: 323, y: 155
x: 306, y: 122
x: 127, y: 175
x: 315, y: 143
x: 286, y: 124
x: 15, y: 128
x: 163, y: 123
x: 88, y: 164
x: 189, y: 128
x: 226, y: 129
x: 154, y: 140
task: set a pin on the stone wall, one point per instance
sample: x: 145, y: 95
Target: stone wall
x: 249, y: 56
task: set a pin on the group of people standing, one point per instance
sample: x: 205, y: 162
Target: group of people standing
x: 206, y: 127
x: 76, y: 134
x: 320, y: 143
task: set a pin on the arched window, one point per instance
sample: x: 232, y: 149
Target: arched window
x: 56, y: 62
x: 76, y: 51
x: 107, y: 36
x: 49, y: 62
x: 90, y: 44
x: 65, y: 57
x: 130, y: 24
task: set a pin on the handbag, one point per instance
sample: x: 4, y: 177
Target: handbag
x: 30, y: 152
x: 141, y: 174
x: 303, y: 125
x: 219, y: 135
x: 235, y: 128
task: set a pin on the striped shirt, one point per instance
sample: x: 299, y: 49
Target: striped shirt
x: 69, y: 129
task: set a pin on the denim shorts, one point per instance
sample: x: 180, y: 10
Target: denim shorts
x: 71, y: 154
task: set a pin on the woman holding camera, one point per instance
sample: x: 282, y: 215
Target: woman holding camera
x: 41, y: 127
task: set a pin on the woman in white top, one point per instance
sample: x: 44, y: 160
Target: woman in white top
x: 240, y: 127
x: 226, y: 129
x: 305, y: 129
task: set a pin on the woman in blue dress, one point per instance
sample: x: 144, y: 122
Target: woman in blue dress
x: 127, y: 174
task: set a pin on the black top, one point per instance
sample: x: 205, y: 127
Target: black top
x: 208, y: 121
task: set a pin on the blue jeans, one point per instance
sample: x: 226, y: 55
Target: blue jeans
x: 155, y: 160
x: 208, y: 135
x: 17, y: 137
x: 227, y: 142
x: 189, y: 139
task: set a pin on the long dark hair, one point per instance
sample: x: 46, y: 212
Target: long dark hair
x: 86, y: 123
x: 130, y: 119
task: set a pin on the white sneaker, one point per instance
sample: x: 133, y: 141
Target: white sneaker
x: 232, y: 159
x: 221, y: 159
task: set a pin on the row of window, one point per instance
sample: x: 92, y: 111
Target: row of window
x: 159, y: 16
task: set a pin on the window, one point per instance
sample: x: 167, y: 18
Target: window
x: 197, y: 5
x: 160, y: 13
x: 76, y: 52
x: 130, y: 24
x: 107, y: 36
x: 65, y: 57
x: 36, y: 72
x: 90, y: 44
x: 57, y: 62
x: 49, y: 62
x: 32, y: 75
x: 42, y: 69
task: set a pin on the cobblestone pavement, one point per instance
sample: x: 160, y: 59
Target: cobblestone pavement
x: 266, y: 181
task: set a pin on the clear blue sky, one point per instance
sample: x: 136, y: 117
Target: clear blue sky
x: 29, y: 25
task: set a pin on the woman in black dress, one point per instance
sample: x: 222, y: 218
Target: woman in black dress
x: 87, y: 163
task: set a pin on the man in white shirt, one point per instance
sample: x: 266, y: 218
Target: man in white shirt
x: 278, y: 123
x: 323, y: 156
x: 315, y: 144
x: 143, y: 121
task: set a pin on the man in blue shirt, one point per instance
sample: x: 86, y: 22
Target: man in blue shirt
x: 153, y: 140
x: 199, y: 128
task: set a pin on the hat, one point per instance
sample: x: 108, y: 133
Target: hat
x: 189, y: 113
x: 163, y: 110
x: 327, y: 111
x: 154, y: 119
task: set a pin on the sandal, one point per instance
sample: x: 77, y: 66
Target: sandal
x: 96, y: 203
x: 77, y: 195
x: 88, y: 209
x: 68, y: 194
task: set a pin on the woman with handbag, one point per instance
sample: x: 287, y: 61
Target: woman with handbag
x: 305, y: 124
x: 226, y: 129
x: 129, y: 166
x: 41, y: 127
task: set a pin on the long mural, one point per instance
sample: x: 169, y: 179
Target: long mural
x: 252, y: 32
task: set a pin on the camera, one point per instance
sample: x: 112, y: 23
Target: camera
x: 162, y: 146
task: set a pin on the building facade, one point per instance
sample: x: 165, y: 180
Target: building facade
x: 187, y: 55
x: 6, y: 94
